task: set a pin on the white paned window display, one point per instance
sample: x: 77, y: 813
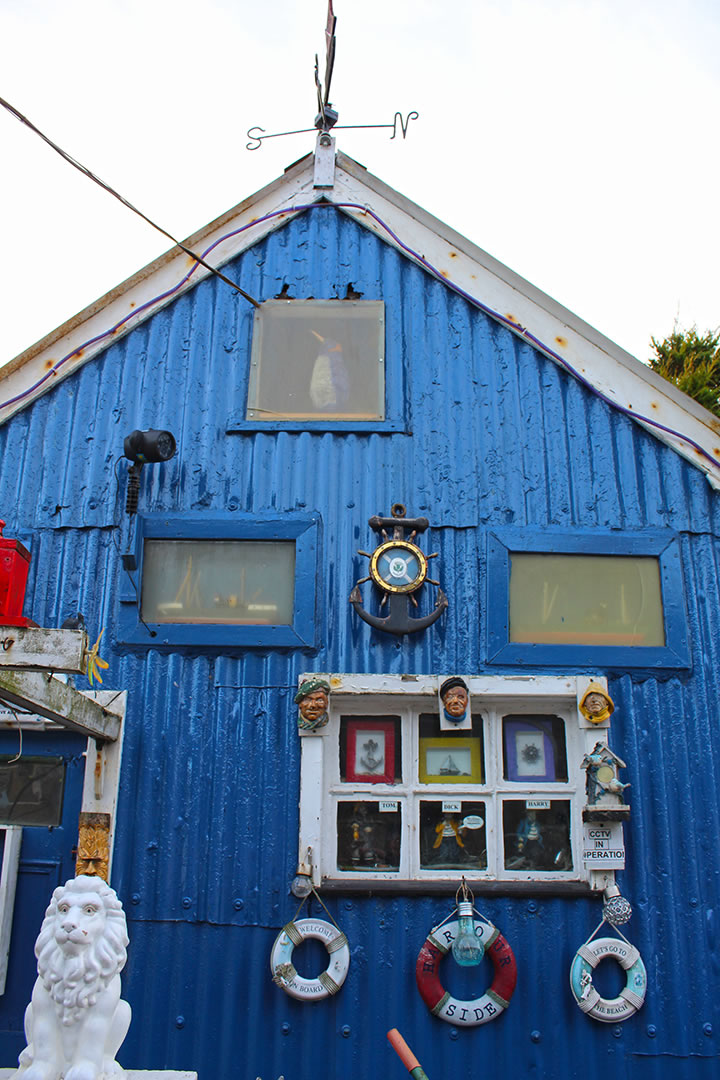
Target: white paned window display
x: 392, y: 793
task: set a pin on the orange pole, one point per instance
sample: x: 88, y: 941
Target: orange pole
x: 406, y: 1055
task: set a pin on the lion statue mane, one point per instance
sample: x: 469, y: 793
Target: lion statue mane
x: 76, y: 1020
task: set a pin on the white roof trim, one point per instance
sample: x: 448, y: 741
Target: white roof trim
x: 608, y: 368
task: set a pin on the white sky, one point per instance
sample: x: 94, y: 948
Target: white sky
x: 574, y: 141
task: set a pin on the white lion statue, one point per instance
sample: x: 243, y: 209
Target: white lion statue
x: 76, y: 1020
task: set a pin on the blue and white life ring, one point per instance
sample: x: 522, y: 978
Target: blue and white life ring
x: 630, y: 998
x: 283, y: 970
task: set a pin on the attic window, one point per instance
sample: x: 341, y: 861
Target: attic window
x: 317, y: 360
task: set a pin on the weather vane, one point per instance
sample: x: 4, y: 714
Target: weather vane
x: 327, y: 117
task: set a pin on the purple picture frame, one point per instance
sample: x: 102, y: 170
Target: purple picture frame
x: 529, y: 753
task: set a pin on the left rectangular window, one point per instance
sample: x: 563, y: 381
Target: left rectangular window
x: 226, y: 581
x: 247, y: 582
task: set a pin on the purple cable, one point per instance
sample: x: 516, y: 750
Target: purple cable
x: 514, y: 327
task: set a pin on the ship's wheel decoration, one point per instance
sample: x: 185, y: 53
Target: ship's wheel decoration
x: 398, y: 569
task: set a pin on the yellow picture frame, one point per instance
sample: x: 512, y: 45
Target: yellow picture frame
x: 450, y: 761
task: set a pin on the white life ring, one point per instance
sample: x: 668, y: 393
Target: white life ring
x: 283, y: 970
x: 631, y: 997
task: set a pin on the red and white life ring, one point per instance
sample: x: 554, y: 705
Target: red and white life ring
x: 283, y: 970
x: 442, y: 1004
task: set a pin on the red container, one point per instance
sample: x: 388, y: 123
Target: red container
x: 14, y: 566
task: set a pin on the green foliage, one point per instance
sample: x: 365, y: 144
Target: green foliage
x: 692, y: 362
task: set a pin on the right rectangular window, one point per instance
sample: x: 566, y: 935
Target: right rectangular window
x: 601, y: 598
x: 586, y: 599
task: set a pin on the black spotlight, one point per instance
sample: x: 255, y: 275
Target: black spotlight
x: 143, y: 447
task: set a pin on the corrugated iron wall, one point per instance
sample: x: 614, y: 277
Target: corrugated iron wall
x: 207, y: 827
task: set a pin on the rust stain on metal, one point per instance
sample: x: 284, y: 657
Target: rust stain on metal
x: 561, y: 340
x: 511, y: 317
x: 444, y: 273
x: 49, y: 364
x: 453, y: 254
x: 653, y: 405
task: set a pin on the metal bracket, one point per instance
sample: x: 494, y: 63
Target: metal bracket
x: 324, y: 175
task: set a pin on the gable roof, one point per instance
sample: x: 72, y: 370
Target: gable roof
x: 599, y: 363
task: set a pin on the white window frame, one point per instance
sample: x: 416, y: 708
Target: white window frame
x: 8, y: 882
x: 492, y: 697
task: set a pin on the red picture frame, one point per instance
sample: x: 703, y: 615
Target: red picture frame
x: 370, y: 751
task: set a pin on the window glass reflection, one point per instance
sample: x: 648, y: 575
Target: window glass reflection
x: 219, y: 581
x: 368, y: 835
x: 318, y: 359
x: 452, y: 835
x: 586, y: 599
x: 31, y: 791
x: 537, y: 834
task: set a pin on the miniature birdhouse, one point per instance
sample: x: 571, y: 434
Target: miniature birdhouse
x: 605, y: 798
x: 14, y: 566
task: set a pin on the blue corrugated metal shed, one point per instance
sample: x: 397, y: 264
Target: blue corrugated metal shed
x: 494, y: 433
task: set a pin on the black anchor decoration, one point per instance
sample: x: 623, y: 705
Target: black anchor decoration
x: 398, y: 568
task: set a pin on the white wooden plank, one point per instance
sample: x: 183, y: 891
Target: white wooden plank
x: 42, y: 649
x: 102, y: 797
x: 8, y: 881
x: 55, y: 700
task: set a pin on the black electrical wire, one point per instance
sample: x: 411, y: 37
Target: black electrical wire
x: 113, y: 537
x: 91, y: 176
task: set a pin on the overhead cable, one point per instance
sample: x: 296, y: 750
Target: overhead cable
x: 96, y: 179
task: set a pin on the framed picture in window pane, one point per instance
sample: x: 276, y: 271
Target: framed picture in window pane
x: 529, y: 753
x: 370, y: 751
x: 450, y: 761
